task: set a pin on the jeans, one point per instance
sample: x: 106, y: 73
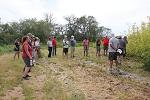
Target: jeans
x: 50, y: 51
x: 54, y: 50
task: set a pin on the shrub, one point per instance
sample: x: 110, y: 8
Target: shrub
x: 139, y: 43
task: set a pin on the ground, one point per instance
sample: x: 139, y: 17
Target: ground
x: 79, y: 78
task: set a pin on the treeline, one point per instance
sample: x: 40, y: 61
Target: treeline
x: 139, y: 43
x: 84, y: 26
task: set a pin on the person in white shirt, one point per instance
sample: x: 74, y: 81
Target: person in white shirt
x: 49, y: 44
x: 37, y: 47
x: 65, y: 46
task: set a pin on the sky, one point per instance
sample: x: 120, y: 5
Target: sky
x: 117, y: 15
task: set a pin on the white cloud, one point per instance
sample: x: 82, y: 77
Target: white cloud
x: 115, y: 14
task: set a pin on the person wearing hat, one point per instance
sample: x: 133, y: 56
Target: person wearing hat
x: 120, y: 49
x: 37, y: 47
x: 65, y: 46
x: 72, y: 44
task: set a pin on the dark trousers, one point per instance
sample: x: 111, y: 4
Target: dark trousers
x: 50, y: 51
x: 54, y: 50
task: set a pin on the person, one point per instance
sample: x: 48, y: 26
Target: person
x: 37, y: 47
x: 17, y: 48
x: 33, y: 39
x: 50, y: 46
x: 31, y: 43
x: 112, y: 49
x: 27, y: 56
x: 105, y: 45
x: 54, y: 43
x: 65, y: 46
x: 125, y: 45
x: 98, y: 44
x: 30, y: 38
x: 73, y: 45
x: 121, y: 47
x: 86, y: 46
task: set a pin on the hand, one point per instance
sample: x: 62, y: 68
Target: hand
x: 30, y: 58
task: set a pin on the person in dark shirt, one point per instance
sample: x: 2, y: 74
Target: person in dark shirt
x: 17, y: 48
x: 98, y: 44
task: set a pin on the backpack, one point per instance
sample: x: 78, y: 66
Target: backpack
x: 72, y: 43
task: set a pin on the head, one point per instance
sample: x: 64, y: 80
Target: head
x: 119, y: 37
x: 125, y: 37
x: 65, y: 37
x: 54, y: 37
x: 30, y: 35
x: 112, y: 35
x: 72, y: 37
x: 49, y: 38
x: 33, y: 39
x: 25, y: 39
x: 36, y: 38
x: 85, y: 38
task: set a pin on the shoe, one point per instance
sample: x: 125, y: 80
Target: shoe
x: 25, y: 78
x: 28, y: 76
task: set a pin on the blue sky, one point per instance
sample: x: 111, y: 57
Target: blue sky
x: 115, y: 14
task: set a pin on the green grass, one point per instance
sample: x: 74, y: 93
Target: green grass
x: 28, y: 92
x: 6, y: 49
x: 10, y: 73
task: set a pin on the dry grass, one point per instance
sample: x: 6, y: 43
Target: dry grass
x: 10, y: 75
x: 59, y: 78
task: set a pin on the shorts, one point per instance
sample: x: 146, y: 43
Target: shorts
x: 105, y: 47
x: 98, y: 48
x: 65, y: 50
x: 27, y: 62
x: 121, y: 53
x: 86, y: 48
x: 112, y: 56
x: 72, y: 49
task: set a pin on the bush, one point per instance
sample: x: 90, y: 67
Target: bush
x: 139, y: 44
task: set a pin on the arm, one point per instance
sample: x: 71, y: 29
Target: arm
x: 113, y: 47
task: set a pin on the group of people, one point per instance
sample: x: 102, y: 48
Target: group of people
x: 116, y: 50
x: 51, y: 44
x: 114, y: 47
x: 30, y: 52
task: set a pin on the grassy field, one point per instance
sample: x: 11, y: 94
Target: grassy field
x: 80, y: 78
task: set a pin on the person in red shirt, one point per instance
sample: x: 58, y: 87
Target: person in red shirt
x: 54, y: 43
x: 27, y: 56
x: 105, y: 45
